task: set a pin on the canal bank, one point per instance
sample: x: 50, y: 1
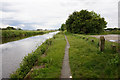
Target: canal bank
x: 14, y: 52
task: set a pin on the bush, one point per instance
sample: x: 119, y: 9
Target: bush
x: 85, y: 22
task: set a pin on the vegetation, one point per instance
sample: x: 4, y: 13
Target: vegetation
x: 20, y: 33
x: 54, y: 51
x: 112, y: 29
x: 29, y: 61
x: 86, y: 61
x: 63, y: 27
x: 85, y: 22
x: 10, y: 28
x: 53, y: 60
x: 112, y: 32
x: 13, y: 35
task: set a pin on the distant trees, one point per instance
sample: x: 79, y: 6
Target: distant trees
x: 11, y: 28
x: 84, y: 22
x: 112, y: 29
x: 39, y: 29
x: 63, y: 27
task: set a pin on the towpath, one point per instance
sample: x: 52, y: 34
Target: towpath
x: 66, y: 72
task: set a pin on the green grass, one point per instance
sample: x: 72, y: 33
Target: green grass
x: 106, y: 32
x: 29, y: 61
x: 53, y: 60
x: 86, y: 61
x: 20, y: 33
x: 54, y: 50
x: 112, y: 32
x: 13, y: 35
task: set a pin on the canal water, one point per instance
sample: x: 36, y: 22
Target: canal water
x: 13, y: 52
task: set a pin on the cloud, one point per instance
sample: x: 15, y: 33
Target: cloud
x: 119, y: 14
x: 34, y: 14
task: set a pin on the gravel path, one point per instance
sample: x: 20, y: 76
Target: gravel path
x: 66, y: 72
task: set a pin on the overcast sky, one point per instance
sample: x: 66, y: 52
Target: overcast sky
x: 50, y: 14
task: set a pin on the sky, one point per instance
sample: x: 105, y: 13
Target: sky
x: 50, y: 14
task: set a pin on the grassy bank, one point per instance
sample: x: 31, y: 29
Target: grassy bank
x: 106, y: 32
x: 53, y: 52
x: 112, y: 32
x: 20, y: 33
x: 13, y: 35
x: 86, y: 61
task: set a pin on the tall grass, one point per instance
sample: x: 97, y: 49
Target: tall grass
x: 13, y: 35
x: 29, y: 61
x: 54, y: 51
x: 20, y: 33
x: 86, y: 61
x: 112, y: 32
x: 53, y: 60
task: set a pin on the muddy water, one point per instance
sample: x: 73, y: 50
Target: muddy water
x: 14, y: 52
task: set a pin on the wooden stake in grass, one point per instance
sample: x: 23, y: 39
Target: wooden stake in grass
x: 92, y: 40
x: 83, y: 37
x: 113, y: 48
x: 53, y: 37
x: 50, y: 42
x: 102, y: 43
x: 86, y: 39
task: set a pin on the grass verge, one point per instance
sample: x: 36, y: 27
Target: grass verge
x: 52, y: 61
x: 54, y: 51
x: 86, y: 61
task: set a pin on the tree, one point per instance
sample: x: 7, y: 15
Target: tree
x: 10, y: 28
x: 19, y: 29
x: 85, y: 22
x: 63, y: 27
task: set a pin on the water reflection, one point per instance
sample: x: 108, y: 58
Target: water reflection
x: 14, y: 52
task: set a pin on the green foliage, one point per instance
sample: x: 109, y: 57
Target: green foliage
x: 86, y: 61
x: 53, y: 59
x: 29, y: 61
x: 13, y: 35
x: 10, y: 28
x: 63, y: 27
x: 111, y: 32
x: 85, y: 22
x: 19, y: 33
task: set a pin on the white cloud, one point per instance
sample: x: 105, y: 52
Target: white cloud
x: 3, y: 26
x: 52, y: 13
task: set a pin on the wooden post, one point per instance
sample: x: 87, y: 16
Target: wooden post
x: 102, y: 43
x: 50, y: 42
x: 92, y: 40
x: 83, y: 37
x: 113, y: 48
x: 86, y: 39
x: 53, y: 37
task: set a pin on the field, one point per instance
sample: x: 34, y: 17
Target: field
x: 87, y: 61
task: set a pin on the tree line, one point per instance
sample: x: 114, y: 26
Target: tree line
x: 10, y: 28
x: 84, y: 22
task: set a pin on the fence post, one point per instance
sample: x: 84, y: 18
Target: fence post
x: 102, y: 43
x: 114, y: 48
x: 86, y: 39
x: 92, y: 40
